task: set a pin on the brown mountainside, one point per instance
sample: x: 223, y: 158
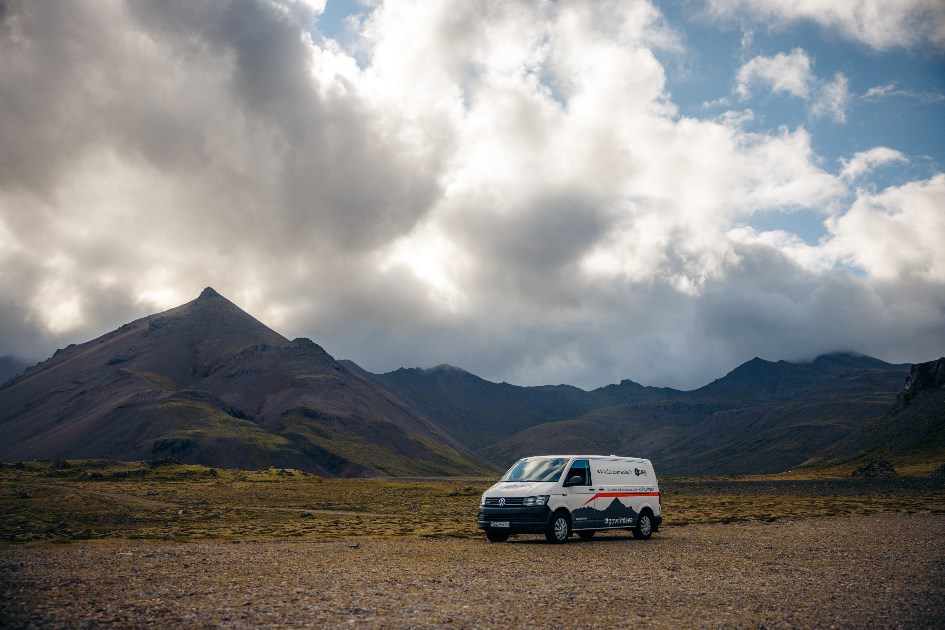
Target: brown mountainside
x: 207, y: 383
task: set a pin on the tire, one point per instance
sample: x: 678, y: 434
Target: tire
x: 559, y: 528
x: 495, y: 536
x: 644, y: 526
x: 587, y: 534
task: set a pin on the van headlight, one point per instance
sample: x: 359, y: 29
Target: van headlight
x: 482, y: 500
x: 541, y: 499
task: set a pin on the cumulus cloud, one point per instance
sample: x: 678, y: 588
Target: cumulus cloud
x: 791, y: 73
x: 881, y: 25
x: 505, y: 186
x: 895, y: 234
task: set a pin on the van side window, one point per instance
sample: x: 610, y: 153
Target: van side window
x: 580, y: 468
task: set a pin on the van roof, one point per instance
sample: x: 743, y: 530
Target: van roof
x: 614, y: 457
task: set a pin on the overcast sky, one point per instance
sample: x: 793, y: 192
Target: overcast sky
x: 537, y: 192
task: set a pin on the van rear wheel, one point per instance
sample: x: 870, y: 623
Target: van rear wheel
x: 644, y: 527
x: 559, y: 528
x: 494, y: 536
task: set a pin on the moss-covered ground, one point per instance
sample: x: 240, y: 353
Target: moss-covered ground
x: 79, y: 500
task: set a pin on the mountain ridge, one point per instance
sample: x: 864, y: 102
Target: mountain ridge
x: 206, y: 382
x: 762, y: 416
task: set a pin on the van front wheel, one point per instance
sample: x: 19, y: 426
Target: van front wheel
x: 644, y: 527
x: 559, y: 528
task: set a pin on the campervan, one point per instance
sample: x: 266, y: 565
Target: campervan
x: 556, y: 495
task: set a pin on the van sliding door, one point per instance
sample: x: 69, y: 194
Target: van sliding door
x: 581, y: 496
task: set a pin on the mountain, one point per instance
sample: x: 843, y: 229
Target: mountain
x: 761, y: 381
x: 913, y: 428
x: 477, y: 412
x: 207, y: 383
x: 761, y: 417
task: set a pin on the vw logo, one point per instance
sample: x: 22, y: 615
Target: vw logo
x: 502, y: 502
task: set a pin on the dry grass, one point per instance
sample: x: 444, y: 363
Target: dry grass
x: 93, y: 500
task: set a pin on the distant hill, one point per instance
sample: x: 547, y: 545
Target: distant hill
x: 912, y: 429
x: 207, y: 383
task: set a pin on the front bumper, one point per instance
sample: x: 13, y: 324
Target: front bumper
x: 521, y: 520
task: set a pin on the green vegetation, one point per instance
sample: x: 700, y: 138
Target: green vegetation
x: 163, y: 382
x: 93, y: 499
x: 368, y: 443
x: 206, y: 421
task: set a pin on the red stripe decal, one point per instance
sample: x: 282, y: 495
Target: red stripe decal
x: 622, y: 494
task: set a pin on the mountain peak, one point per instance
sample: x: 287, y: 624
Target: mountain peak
x: 209, y: 292
x: 446, y: 367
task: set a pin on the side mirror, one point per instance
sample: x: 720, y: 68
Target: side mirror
x: 576, y: 480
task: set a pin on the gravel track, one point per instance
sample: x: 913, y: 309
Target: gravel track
x: 855, y: 571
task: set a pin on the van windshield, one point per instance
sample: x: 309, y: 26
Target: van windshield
x: 536, y: 469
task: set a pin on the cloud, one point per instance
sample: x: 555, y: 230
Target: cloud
x: 833, y: 99
x: 865, y: 161
x: 872, y: 234
x: 878, y: 24
x: 891, y: 90
x: 505, y: 186
x: 790, y: 73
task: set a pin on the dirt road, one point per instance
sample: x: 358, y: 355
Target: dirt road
x: 857, y: 571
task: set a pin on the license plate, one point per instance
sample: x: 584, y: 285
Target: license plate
x: 499, y: 524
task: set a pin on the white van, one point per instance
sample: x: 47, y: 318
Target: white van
x: 555, y: 495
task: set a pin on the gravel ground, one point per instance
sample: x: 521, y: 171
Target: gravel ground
x: 856, y: 571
